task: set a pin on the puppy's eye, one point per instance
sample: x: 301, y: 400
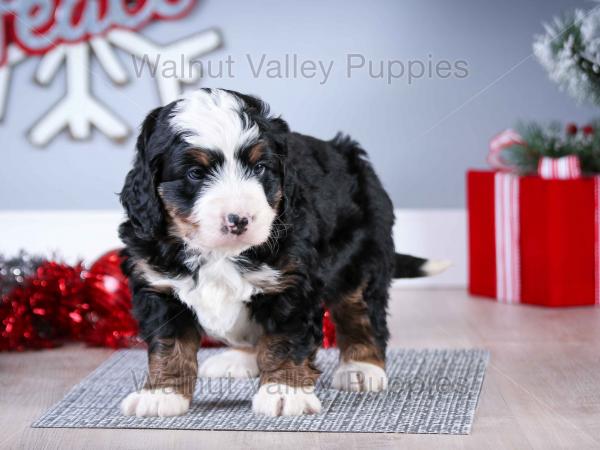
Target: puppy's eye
x: 195, y: 174
x: 259, y: 169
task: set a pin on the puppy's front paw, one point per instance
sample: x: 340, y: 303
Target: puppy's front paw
x: 151, y: 403
x: 230, y: 363
x: 274, y: 399
x: 359, y: 377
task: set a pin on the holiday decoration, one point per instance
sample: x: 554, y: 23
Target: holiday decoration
x: 564, y: 168
x: 109, y: 319
x: 505, y: 140
x: 44, y: 303
x: 535, y: 148
x: 328, y: 331
x: 69, y: 32
x: 570, y: 51
x: 536, y: 238
x: 32, y: 292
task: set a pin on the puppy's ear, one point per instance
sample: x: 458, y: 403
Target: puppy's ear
x: 278, y: 125
x: 279, y: 139
x: 288, y: 174
x: 256, y: 106
x: 139, y: 196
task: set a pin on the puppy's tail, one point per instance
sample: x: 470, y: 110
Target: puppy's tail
x: 407, y: 266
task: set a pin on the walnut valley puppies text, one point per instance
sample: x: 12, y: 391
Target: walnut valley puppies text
x: 296, y: 67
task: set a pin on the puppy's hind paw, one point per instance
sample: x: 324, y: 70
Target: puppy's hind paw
x: 274, y: 399
x: 230, y: 363
x: 152, y: 403
x: 359, y: 376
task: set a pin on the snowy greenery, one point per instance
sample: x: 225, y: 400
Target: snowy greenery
x: 570, y: 51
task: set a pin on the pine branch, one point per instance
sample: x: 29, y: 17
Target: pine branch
x: 551, y: 141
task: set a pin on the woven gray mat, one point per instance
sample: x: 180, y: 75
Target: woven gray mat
x: 430, y: 391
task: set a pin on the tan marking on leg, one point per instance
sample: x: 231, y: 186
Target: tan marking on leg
x: 276, y: 366
x: 353, y: 328
x: 172, y: 364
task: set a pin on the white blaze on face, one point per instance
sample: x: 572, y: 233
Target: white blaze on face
x: 230, y: 192
x: 215, y: 121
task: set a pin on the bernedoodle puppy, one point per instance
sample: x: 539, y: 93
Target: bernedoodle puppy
x: 242, y: 230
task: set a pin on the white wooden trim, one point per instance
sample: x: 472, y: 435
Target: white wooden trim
x: 73, y: 235
x: 434, y: 234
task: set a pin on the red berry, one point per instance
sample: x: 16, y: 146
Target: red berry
x: 571, y: 129
x: 588, y: 130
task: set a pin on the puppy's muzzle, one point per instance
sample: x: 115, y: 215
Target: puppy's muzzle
x: 236, y: 224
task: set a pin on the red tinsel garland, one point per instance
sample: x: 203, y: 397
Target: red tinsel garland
x: 58, y: 302
x: 109, y: 314
x: 42, y: 310
x: 44, y: 303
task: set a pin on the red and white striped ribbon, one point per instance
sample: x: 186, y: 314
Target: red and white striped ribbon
x: 597, y: 240
x: 501, y: 141
x: 564, y: 168
x: 508, y: 276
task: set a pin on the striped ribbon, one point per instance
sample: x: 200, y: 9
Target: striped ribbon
x: 564, y: 168
x: 508, y: 276
x: 501, y: 141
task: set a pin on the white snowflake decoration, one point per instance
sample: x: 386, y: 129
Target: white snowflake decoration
x: 80, y: 110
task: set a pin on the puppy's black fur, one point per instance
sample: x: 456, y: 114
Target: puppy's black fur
x: 332, y: 235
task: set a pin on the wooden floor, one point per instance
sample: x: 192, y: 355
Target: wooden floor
x: 542, y: 388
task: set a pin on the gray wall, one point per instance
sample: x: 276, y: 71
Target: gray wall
x: 421, y: 137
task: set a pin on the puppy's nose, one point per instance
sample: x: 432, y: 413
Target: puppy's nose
x: 237, y: 224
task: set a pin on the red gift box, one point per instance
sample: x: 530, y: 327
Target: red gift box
x: 534, y: 240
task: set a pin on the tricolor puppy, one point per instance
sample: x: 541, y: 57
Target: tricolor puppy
x: 242, y: 230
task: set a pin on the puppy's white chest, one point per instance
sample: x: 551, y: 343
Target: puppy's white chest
x: 220, y: 298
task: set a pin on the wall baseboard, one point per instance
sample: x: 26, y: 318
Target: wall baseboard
x: 435, y: 234
x: 85, y: 235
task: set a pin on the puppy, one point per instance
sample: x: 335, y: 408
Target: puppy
x: 242, y: 230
